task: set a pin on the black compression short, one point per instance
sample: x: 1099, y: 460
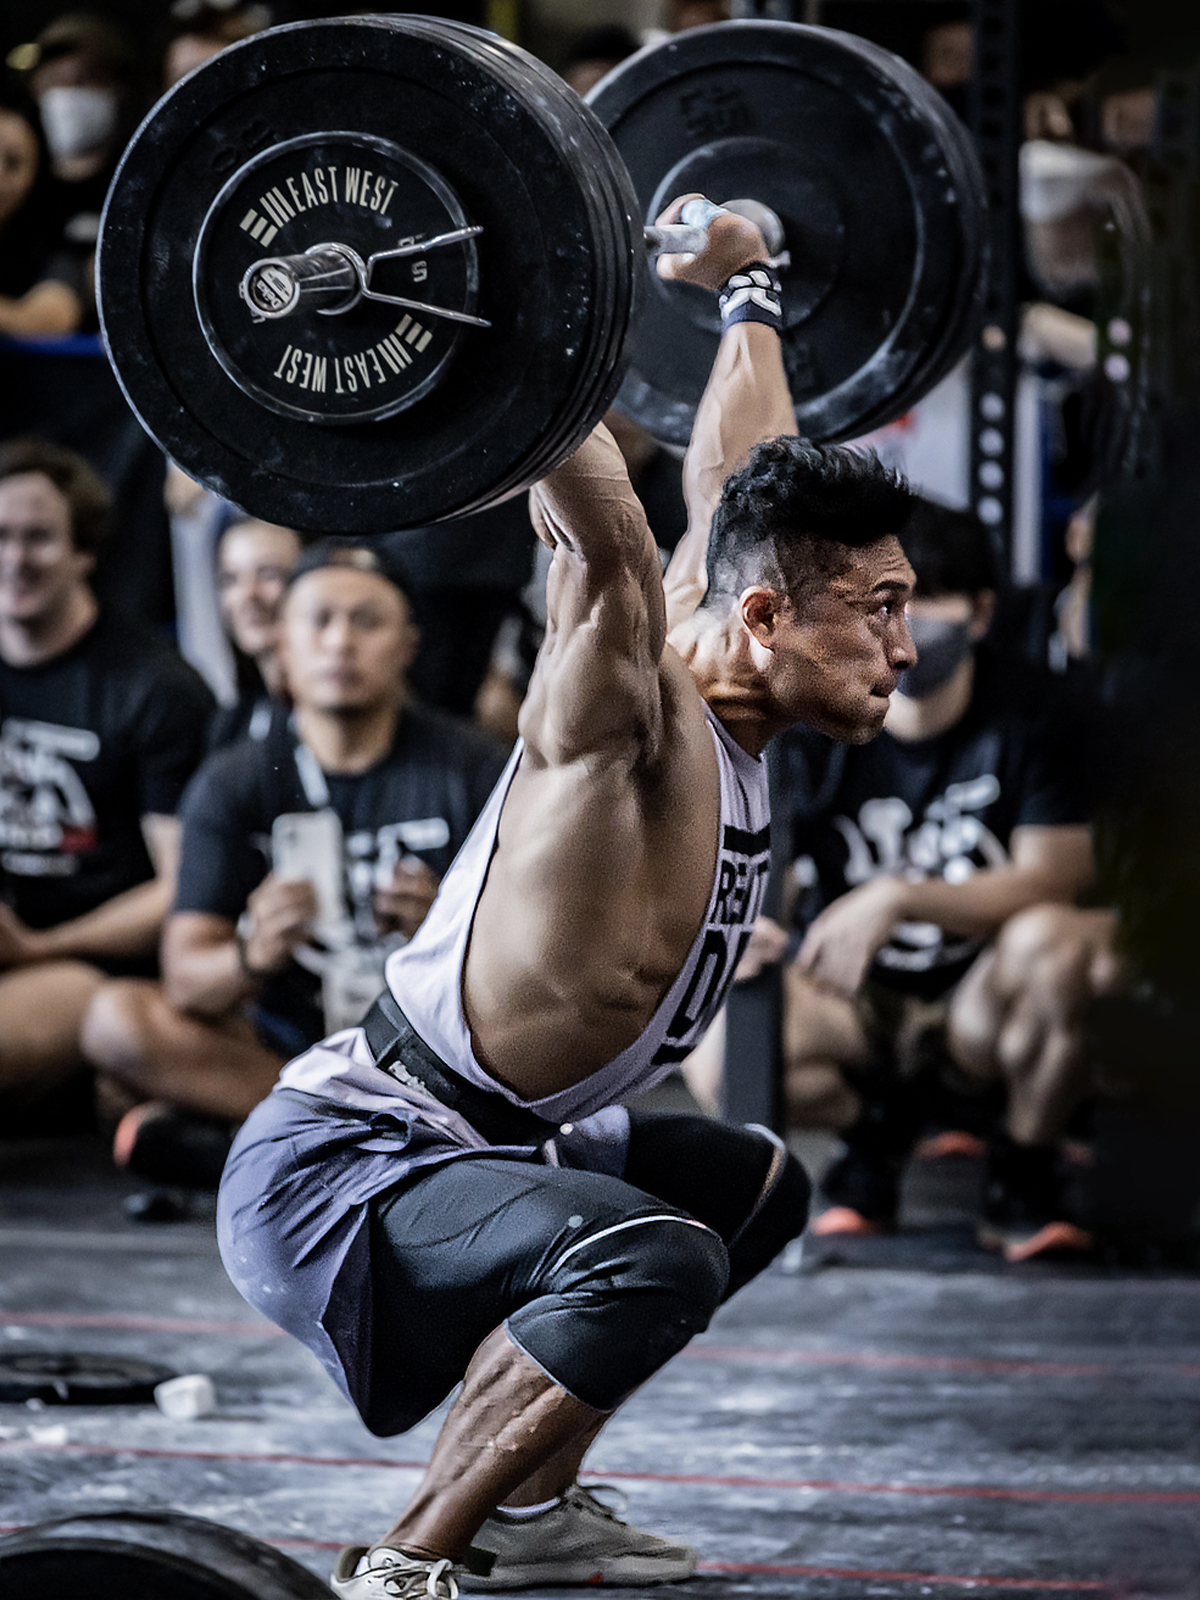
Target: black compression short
x: 599, y: 1279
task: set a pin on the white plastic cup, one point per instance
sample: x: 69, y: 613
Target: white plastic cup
x: 186, y: 1398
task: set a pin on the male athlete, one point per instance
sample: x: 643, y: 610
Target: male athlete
x: 453, y: 1193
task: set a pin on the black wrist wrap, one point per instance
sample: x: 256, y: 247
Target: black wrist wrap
x: 752, y: 295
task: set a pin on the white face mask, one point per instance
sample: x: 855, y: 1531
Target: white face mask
x: 78, y: 120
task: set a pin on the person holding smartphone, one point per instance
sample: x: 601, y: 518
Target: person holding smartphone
x: 306, y: 856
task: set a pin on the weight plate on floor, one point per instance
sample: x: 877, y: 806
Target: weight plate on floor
x: 881, y: 217
x: 150, y: 1555
x: 78, y: 1379
x: 465, y: 420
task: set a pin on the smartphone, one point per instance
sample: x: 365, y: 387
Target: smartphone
x: 306, y: 846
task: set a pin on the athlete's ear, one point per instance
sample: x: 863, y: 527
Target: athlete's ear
x: 760, y: 607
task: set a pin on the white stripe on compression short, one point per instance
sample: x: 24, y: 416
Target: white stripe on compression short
x: 630, y: 1222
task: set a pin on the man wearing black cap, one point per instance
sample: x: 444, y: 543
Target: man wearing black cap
x: 306, y: 857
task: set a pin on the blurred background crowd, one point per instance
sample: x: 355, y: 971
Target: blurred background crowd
x: 235, y: 763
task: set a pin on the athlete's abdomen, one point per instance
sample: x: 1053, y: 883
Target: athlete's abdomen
x: 594, y: 897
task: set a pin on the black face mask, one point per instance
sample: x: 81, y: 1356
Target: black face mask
x: 941, y: 649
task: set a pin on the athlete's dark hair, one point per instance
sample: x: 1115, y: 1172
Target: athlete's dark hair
x: 792, y: 512
x: 951, y: 551
x: 85, y: 492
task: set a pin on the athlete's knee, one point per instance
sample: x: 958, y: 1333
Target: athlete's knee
x: 665, y: 1260
x: 785, y: 1209
x: 780, y: 1216
x: 620, y: 1302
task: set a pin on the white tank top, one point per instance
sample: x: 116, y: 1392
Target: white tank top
x: 426, y: 975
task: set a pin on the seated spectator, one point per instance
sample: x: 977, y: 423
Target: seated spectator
x: 397, y: 786
x: 101, y: 725
x: 203, y: 31
x: 84, y: 82
x: 914, y: 852
x: 254, y: 562
x: 40, y: 289
x: 595, y: 53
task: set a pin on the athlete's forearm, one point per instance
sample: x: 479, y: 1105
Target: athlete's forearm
x: 746, y: 401
x: 588, y: 507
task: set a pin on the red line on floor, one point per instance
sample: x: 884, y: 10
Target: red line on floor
x: 848, y: 1358
x: 866, y: 1575
x: 863, y: 1574
x: 699, y: 1479
x: 138, y: 1324
x: 702, y: 1352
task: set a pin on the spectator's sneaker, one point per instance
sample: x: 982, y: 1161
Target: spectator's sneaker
x: 1054, y: 1241
x: 579, y: 1540
x: 165, y: 1145
x: 952, y: 1143
x: 841, y: 1220
x: 863, y: 1184
x: 385, y: 1574
x: 1024, y: 1212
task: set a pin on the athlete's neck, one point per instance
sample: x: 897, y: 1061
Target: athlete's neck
x: 714, y: 650
x: 348, y: 741
x: 28, y: 641
x: 910, y: 720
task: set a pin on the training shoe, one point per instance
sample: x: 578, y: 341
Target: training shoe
x: 1025, y: 1214
x: 841, y: 1221
x: 170, y: 1146
x: 864, y: 1180
x: 578, y: 1540
x: 390, y: 1575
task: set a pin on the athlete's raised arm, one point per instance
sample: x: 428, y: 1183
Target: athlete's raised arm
x: 595, y: 688
x: 746, y: 401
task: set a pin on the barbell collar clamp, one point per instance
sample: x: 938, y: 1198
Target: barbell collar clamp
x: 335, y: 273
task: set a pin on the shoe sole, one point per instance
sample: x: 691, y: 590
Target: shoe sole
x: 627, y: 1572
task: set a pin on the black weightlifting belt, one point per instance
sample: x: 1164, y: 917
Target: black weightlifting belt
x: 400, y: 1050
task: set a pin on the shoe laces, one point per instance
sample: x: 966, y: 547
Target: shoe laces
x: 438, y: 1585
x: 591, y: 1501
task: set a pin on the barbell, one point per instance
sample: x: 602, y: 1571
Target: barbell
x: 371, y: 273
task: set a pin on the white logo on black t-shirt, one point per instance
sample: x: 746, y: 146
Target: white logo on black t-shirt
x: 47, y: 821
x: 949, y: 842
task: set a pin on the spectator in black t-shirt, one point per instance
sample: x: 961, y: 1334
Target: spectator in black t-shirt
x: 40, y: 288
x: 254, y: 562
x: 911, y: 853
x: 101, y: 725
x: 399, y: 783
x: 84, y: 83
x: 205, y: 31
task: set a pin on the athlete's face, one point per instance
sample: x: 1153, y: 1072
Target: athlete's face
x: 346, y: 640
x: 252, y: 568
x: 834, y: 654
x: 39, y: 564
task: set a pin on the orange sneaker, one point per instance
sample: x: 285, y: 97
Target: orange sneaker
x: 953, y: 1142
x: 844, y: 1220
x: 1057, y: 1239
